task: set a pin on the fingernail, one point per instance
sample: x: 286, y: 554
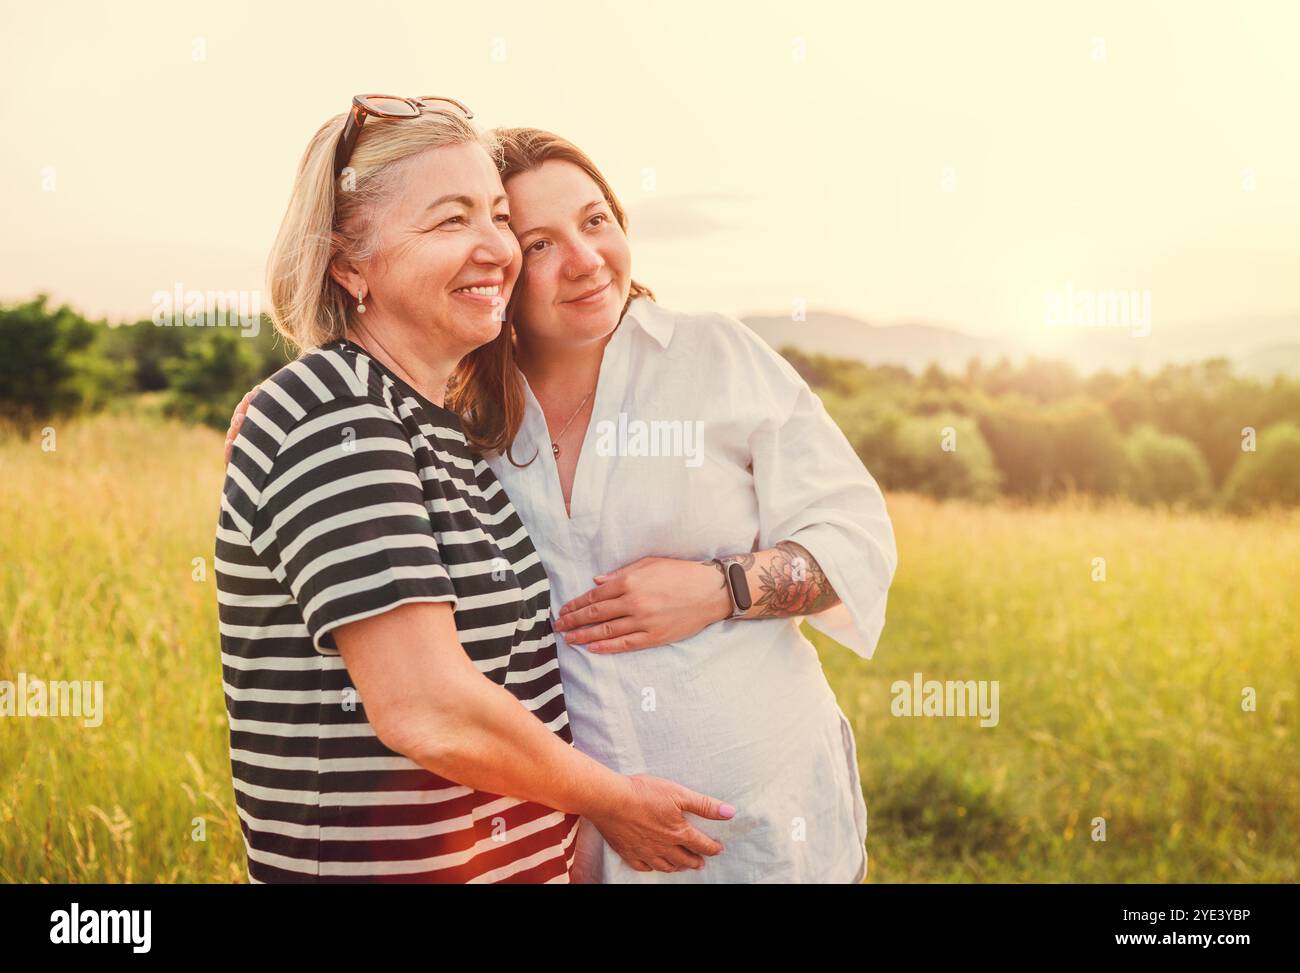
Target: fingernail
x: 727, y: 811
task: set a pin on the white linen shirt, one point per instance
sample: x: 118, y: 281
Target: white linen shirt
x: 741, y: 711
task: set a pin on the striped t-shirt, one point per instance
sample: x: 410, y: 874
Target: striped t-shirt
x: 349, y: 494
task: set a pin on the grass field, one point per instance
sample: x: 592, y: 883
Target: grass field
x: 1119, y: 699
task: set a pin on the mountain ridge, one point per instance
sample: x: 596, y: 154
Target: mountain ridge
x: 1258, y: 345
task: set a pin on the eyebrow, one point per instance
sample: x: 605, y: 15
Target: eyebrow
x: 539, y: 229
x: 466, y: 201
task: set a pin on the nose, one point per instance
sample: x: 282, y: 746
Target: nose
x: 495, y: 248
x: 581, y: 261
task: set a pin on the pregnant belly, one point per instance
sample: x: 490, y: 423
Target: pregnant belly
x: 777, y: 750
x: 721, y: 714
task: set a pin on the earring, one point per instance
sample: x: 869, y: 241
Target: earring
x: 361, y: 297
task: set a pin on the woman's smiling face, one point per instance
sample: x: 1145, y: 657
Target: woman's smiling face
x: 577, y: 267
x: 447, y: 231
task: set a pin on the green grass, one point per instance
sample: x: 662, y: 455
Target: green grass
x: 1119, y: 699
x: 96, y: 546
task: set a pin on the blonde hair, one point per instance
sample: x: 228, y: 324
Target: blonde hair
x: 326, y: 219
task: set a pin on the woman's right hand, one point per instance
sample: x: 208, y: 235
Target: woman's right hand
x: 649, y: 830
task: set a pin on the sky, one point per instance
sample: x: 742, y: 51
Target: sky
x: 951, y: 163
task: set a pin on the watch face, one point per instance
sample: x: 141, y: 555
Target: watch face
x: 739, y: 586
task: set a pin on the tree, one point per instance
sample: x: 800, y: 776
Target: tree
x: 211, y: 375
x: 145, y: 346
x: 1044, y: 450
x: 1164, y: 468
x: 53, y: 362
x: 945, y: 456
x: 1270, y: 476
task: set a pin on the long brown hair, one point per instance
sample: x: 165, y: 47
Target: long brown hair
x: 487, y: 390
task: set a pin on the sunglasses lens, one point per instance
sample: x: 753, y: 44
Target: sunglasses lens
x: 393, y: 107
x: 443, y: 104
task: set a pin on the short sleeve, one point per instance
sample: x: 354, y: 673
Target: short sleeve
x: 814, y: 489
x: 341, y: 519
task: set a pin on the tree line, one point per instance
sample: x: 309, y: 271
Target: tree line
x: 1187, y: 436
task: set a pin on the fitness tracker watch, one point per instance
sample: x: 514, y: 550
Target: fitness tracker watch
x: 737, y: 586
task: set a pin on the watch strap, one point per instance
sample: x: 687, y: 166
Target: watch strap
x: 733, y: 574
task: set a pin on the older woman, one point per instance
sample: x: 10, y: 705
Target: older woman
x: 395, y: 706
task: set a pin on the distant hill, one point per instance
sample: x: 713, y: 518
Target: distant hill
x: 1274, y: 360
x: 1259, y: 345
x: 913, y: 346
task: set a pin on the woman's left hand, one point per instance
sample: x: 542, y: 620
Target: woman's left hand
x: 649, y: 602
x: 237, y: 420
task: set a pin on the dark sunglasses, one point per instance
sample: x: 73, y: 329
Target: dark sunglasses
x: 386, y: 106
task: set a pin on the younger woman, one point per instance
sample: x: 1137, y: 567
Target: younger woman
x: 640, y: 444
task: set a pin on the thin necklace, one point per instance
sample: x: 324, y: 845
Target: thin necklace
x: 555, y: 443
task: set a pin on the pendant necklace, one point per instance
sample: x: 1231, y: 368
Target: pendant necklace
x: 555, y: 443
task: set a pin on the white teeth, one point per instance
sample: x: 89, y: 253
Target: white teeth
x: 492, y: 291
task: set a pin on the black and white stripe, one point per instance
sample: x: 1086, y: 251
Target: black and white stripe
x: 347, y: 495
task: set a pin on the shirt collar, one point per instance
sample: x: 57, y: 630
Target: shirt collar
x: 654, y: 320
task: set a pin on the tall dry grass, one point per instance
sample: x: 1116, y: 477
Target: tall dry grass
x: 1119, y: 699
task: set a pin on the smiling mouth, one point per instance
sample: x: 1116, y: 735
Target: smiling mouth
x: 493, y: 291
x: 589, y: 295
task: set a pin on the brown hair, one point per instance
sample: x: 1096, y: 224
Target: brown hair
x: 486, y: 389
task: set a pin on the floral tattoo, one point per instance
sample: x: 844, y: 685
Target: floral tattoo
x: 792, y: 583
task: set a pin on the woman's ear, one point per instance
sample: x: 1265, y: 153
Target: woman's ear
x: 345, y: 273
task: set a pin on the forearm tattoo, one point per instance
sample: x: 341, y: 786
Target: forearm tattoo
x: 791, y: 583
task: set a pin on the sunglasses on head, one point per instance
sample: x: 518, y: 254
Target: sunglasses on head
x: 387, y: 106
